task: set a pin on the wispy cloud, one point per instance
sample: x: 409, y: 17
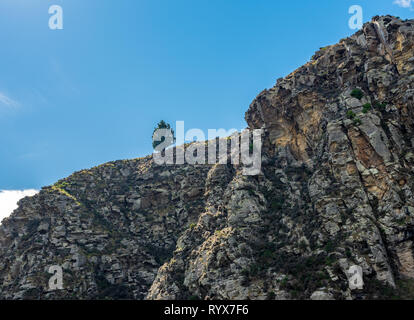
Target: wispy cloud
x: 9, y: 199
x: 7, y: 101
x: 404, y: 3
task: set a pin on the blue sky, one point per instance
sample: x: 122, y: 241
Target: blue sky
x: 74, y: 98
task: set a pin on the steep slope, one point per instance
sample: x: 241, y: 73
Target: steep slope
x: 110, y: 228
x: 336, y: 190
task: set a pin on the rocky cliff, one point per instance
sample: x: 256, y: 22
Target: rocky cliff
x: 336, y: 190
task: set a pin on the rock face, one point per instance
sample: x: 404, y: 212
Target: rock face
x: 336, y: 190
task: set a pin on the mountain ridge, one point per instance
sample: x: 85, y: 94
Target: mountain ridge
x: 336, y: 190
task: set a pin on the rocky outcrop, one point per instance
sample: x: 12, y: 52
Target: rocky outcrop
x: 336, y: 190
x: 110, y: 228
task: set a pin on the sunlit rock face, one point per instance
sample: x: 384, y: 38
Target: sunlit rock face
x: 335, y: 191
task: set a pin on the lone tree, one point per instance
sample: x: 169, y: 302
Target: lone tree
x: 162, y: 125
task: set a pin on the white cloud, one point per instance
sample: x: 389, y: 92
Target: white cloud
x: 6, y: 101
x: 404, y: 3
x: 9, y: 199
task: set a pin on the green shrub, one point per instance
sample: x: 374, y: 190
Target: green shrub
x: 366, y: 107
x: 108, y: 291
x: 357, y: 93
x: 303, y: 245
x: 348, y: 253
x: 379, y: 105
x: 277, y: 204
x: 330, y: 246
x: 271, y: 296
x: 350, y: 114
x: 357, y: 122
x: 329, y: 260
x: 245, y: 272
x: 162, y: 125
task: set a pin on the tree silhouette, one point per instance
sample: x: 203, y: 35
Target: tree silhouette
x: 162, y: 125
